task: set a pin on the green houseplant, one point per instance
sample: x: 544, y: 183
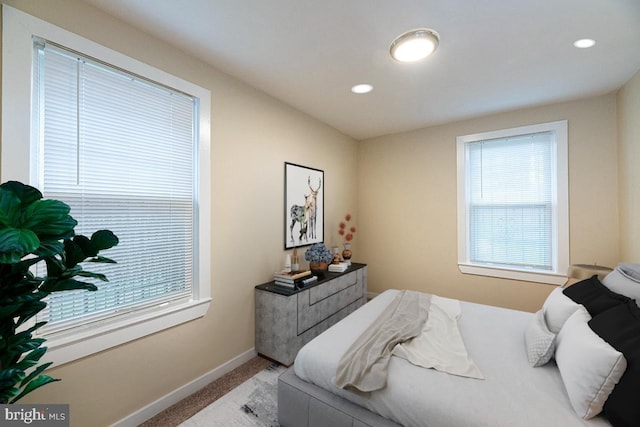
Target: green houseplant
x: 32, y: 230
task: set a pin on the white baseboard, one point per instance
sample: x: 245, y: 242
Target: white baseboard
x: 186, y: 390
x: 371, y: 295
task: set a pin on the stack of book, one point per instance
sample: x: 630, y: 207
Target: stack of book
x: 294, y: 280
x: 340, y: 267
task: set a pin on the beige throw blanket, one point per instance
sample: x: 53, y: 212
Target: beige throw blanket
x: 364, y: 365
x: 440, y: 345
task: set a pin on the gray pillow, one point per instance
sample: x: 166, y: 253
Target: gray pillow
x: 557, y: 308
x: 539, y: 341
x: 625, y: 280
x: 590, y: 368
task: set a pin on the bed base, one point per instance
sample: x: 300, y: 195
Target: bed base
x: 301, y: 404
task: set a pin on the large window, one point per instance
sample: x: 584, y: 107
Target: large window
x: 127, y: 147
x: 512, y: 203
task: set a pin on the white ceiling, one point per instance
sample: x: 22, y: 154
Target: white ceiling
x: 494, y: 55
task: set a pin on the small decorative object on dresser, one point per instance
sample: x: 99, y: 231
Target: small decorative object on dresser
x: 348, y: 233
x: 292, y: 279
x: 336, y: 255
x: 346, y: 253
x: 339, y: 267
x: 319, y: 258
x: 295, y: 261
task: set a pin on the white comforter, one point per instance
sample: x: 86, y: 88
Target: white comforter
x: 512, y: 393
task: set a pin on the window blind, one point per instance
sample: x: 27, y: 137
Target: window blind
x: 510, y: 201
x: 120, y: 151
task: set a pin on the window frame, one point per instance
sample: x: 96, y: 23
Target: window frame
x: 560, y: 208
x: 18, y: 153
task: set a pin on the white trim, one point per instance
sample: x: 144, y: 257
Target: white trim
x: 561, y: 215
x: 17, y: 56
x: 169, y: 399
x: 503, y: 273
x: 63, y: 349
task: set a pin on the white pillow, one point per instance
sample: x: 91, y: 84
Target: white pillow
x: 590, y: 368
x: 625, y: 280
x: 557, y: 308
x: 539, y: 341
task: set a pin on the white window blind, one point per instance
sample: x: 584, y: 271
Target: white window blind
x: 120, y: 150
x: 511, y: 201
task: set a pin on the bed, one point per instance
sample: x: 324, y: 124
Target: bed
x: 512, y: 393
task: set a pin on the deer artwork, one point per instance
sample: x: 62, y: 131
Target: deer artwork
x: 300, y: 214
x: 312, y: 207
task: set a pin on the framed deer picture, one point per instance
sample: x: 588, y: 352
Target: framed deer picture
x: 303, y: 205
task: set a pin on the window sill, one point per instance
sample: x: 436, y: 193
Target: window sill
x: 504, y: 273
x: 65, y: 348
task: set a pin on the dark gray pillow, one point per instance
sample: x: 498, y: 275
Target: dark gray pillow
x: 594, y: 296
x: 620, y: 327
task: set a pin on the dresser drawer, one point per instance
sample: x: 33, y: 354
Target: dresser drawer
x: 319, y: 303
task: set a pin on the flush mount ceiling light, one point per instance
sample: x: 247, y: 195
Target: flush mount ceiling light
x: 414, y: 45
x: 584, y: 43
x: 362, y: 88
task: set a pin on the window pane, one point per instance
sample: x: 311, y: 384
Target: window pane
x: 511, y: 235
x: 510, y: 201
x: 120, y: 151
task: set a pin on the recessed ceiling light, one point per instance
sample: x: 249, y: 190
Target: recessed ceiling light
x: 414, y: 45
x: 362, y: 88
x: 584, y: 43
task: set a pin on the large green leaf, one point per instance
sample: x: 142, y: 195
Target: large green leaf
x: 34, y: 384
x: 49, y: 247
x: 9, y: 208
x: 15, y: 243
x: 67, y: 285
x: 30, y: 311
x: 98, y: 276
x: 23, y: 266
x: 102, y: 259
x: 104, y: 239
x: 22, y: 307
x: 88, y: 247
x: 54, y: 267
x: 8, y: 311
x: 11, y: 376
x: 49, y: 217
x: 24, y: 298
x: 26, y: 193
x: 35, y: 373
x: 24, y: 335
x: 31, y: 359
x: 28, y: 345
x: 73, y: 253
x: 6, y: 393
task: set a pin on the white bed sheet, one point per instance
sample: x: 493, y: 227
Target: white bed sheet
x: 512, y: 393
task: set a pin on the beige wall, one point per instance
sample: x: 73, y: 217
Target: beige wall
x: 629, y: 172
x: 252, y: 136
x: 407, y: 201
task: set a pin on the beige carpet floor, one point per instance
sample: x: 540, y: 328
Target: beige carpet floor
x: 190, y: 406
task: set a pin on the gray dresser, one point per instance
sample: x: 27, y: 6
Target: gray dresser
x: 287, y: 319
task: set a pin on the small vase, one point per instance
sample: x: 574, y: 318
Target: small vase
x: 346, y: 253
x: 318, y: 268
x: 336, y: 255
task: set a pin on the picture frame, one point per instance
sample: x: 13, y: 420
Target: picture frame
x: 303, y: 205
